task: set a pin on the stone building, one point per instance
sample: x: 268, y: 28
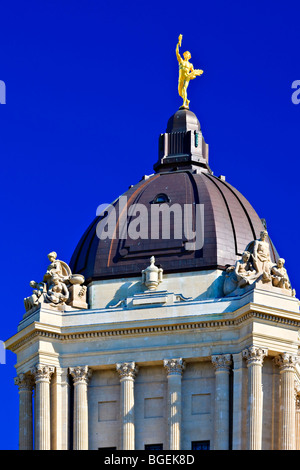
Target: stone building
x: 179, y: 330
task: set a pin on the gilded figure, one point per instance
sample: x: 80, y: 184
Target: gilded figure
x: 186, y: 73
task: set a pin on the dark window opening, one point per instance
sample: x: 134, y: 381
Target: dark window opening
x: 161, y: 199
x: 200, y: 445
x: 153, y: 447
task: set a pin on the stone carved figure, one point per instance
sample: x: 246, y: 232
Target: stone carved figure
x: 59, y: 287
x: 152, y: 276
x: 241, y: 274
x: 279, y: 275
x: 37, y: 296
x: 256, y: 266
x: 56, y: 268
x: 57, y: 292
x: 261, y: 256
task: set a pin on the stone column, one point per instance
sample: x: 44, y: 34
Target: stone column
x: 25, y: 384
x: 127, y: 372
x: 174, y: 369
x: 239, y: 402
x: 297, y: 417
x: 42, y: 375
x: 60, y: 409
x: 222, y: 364
x: 287, y: 364
x: 254, y: 357
x: 81, y: 376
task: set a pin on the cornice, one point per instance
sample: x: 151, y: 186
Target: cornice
x: 41, y: 331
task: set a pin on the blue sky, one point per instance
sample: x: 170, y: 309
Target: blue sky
x: 90, y: 85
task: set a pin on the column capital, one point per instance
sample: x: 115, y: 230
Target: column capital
x: 25, y: 382
x: 286, y: 362
x: 42, y: 372
x: 80, y: 374
x: 127, y: 370
x: 174, y: 366
x: 221, y: 362
x: 255, y: 355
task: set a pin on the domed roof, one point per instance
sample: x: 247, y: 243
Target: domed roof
x: 188, y: 193
x: 183, y: 120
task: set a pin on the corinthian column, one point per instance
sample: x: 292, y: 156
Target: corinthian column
x: 174, y: 369
x: 287, y: 363
x: 42, y: 375
x: 81, y: 376
x: 254, y: 357
x: 25, y: 384
x: 127, y: 372
x: 222, y: 364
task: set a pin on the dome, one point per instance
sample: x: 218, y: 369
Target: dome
x: 183, y: 120
x: 184, y: 195
x: 230, y: 223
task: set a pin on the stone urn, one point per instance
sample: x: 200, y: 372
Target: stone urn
x: 152, y: 276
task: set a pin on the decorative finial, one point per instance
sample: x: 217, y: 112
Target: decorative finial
x: 186, y: 73
x: 152, y: 276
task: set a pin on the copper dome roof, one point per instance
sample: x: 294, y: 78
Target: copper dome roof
x: 183, y: 177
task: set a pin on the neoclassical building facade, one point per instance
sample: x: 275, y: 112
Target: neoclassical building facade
x: 158, y: 338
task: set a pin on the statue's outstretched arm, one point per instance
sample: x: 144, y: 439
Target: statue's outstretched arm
x: 179, y: 58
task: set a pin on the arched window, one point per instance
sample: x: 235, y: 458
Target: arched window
x: 161, y: 199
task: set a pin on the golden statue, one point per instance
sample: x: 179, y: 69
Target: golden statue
x: 186, y: 73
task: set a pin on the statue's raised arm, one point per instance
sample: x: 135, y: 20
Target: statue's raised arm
x: 179, y: 58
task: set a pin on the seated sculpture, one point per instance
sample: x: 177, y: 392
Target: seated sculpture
x: 256, y: 266
x: 59, y: 287
x: 239, y: 275
x: 280, y: 276
x: 56, y: 268
x: 57, y: 292
x: 37, y: 296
